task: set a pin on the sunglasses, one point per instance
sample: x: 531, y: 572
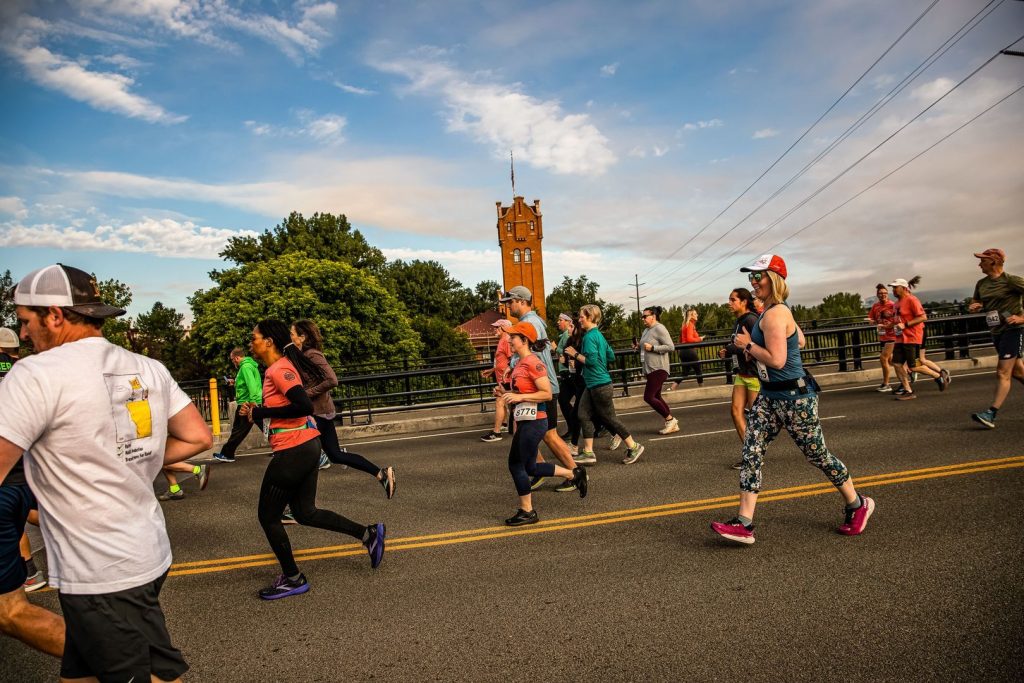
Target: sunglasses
x: 756, y: 276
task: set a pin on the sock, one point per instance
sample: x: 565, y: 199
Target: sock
x: 366, y: 535
x: 994, y: 410
x: 745, y: 521
x: 30, y: 567
x: 295, y: 579
x: 197, y: 469
x: 855, y: 504
x: 175, y: 488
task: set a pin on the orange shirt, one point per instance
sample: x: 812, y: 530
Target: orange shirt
x: 884, y: 315
x: 524, y: 379
x: 909, y: 308
x: 279, y: 380
x: 688, y: 335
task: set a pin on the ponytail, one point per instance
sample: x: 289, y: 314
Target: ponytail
x: 278, y: 333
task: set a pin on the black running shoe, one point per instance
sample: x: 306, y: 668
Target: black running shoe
x: 375, y: 543
x: 522, y: 518
x: 535, y: 482
x: 490, y: 437
x: 581, y: 479
x: 284, y: 587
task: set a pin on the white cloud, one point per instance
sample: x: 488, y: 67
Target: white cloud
x: 168, y: 238
x: 764, y: 133
x: 608, y: 70
x: 353, y: 90
x: 700, y: 125
x: 306, y: 36
x: 538, y: 131
x: 13, y: 206
x: 326, y: 128
x: 933, y: 90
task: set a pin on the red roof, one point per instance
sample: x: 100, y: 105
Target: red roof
x: 480, y: 326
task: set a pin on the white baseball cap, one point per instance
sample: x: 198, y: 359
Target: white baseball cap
x: 899, y: 282
x: 65, y: 287
x: 8, y: 338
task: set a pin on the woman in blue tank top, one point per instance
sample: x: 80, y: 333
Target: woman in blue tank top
x: 789, y: 400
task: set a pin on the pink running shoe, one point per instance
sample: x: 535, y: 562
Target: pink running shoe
x: 734, y: 531
x: 857, y: 519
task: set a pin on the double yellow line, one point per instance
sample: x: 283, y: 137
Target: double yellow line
x: 615, y: 517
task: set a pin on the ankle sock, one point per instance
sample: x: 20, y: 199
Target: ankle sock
x: 296, y: 578
x: 745, y: 521
x: 30, y: 567
x: 994, y: 410
x: 196, y: 469
x: 175, y: 488
x: 855, y: 504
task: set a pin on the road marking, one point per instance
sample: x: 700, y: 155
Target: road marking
x: 601, y: 518
x: 725, y: 431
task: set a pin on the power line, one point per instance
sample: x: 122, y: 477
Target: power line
x: 797, y: 141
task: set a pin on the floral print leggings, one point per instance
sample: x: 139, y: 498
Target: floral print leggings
x: 766, y: 419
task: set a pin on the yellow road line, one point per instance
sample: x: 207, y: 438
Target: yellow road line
x: 613, y: 517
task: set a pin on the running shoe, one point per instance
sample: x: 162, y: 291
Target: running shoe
x: 566, y: 486
x: 670, y: 426
x: 857, y: 519
x: 284, y: 587
x: 375, y: 543
x: 535, y: 482
x: 615, y: 442
x: 522, y: 518
x: 738, y: 465
x: 574, y: 450
x: 899, y: 391
x: 633, y: 454
x: 220, y: 457
x: 884, y: 389
x: 906, y: 396
x: 203, y: 477
x: 388, y: 481
x: 985, y: 417
x: 943, y: 380
x: 34, y: 582
x: 288, y: 518
x: 585, y: 458
x: 325, y: 462
x: 734, y: 530
x: 491, y: 437
x: 581, y: 478
x: 913, y: 377
x: 167, y: 495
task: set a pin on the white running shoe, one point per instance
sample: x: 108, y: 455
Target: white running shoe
x: 616, y: 442
x: 670, y: 426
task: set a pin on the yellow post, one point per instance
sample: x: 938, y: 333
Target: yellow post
x: 214, y: 407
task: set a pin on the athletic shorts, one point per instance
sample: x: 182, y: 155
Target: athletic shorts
x: 119, y: 636
x: 15, y: 502
x: 551, y: 408
x: 751, y: 383
x: 907, y: 353
x: 1009, y: 343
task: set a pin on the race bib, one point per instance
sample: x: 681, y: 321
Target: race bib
x: 525, y: 411
x: 642, y: 355
x: 762, y: 371
x: 993, y: 319
x: 881, y: 331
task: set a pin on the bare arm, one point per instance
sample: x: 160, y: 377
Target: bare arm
x: 187, y: 435
x: 773, y: 324
x: 542, y: 394
x: 9, y: 454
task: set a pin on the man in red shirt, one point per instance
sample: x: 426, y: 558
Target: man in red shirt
x: 500, y: 372
x: 909, y: 328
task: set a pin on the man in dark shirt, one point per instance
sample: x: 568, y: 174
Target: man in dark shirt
x: 33, y: 625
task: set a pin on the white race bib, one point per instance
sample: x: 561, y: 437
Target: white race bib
x: 642, y: 354
x: 525, y: 411
x: 762, y: 371
x: 993, y: 319
x: 881, y: 330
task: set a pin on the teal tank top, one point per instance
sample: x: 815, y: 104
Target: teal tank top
x: 793, y: 369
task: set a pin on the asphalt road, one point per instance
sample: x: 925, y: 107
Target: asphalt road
x: 630, y: 583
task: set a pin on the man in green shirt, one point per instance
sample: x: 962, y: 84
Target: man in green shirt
x: 248, y: 389
x: 999, y: 296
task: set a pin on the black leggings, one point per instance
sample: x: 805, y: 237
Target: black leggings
x: 290, y: 479
x: 522, y: 455
x: 598, y: 402
x: 329, y: 442
x: 566, y: 399
x: 690, y: 364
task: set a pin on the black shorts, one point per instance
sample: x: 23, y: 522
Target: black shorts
x: 1009, y: 343
x: 119, y: 636
x: 551, y: 408
x: 907, y: 353
x: 15, y: 502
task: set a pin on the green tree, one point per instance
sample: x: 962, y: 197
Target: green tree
x: 7, y: 315
x: 427, y: 289
x: 570, y: 295
x: 441, y: 339
x: 360, y: 319
x: 485, y: 296
x: 116, y: 293
x: 321, y: 236
x: 841, y: 305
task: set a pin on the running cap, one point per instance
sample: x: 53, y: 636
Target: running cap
x: 8, y: 339
x: 997, y: 255
x: 767, y: 262
x: 65, y: 287
x: 525, y: 329
x: 502, y: 322
x: 519, y: 292
x: 565, y: 316
x: 899, y: 282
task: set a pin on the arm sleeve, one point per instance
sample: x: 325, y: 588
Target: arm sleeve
x: 330, y: 379
x: 609, y: 353
x: 662, y: 340
x: 300, y: 406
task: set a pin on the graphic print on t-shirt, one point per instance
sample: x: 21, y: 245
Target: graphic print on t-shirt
x: 129, y: 405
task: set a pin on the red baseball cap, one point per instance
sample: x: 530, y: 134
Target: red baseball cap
x: 764, y: 262
x: 997, y: 255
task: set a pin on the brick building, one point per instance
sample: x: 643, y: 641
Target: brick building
x: 520, y: 230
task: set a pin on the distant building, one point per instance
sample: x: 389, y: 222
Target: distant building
x: 520, y: 231
x: 481, y: 333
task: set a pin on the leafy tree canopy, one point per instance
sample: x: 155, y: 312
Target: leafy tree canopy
x: 116, y: 293
x: 570, y: 295
x: 427, y: 289
x: 7, y: 315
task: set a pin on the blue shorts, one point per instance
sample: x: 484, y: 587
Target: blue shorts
x: 1009, y: 343
x: 15, y: 502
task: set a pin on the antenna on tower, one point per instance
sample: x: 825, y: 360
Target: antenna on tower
x: 512, y: 165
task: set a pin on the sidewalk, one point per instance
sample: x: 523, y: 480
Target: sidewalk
x: 461, y: 417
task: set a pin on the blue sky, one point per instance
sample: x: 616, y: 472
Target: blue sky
x: 136, y: 136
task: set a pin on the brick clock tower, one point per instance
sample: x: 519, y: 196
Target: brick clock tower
x: 520, y: 230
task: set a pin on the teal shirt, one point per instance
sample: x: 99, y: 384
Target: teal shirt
x: 563, y: 341
x: 599, y: 355
x: 248, y: 385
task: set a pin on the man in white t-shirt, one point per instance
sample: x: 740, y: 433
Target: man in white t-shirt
x: 99, y: 423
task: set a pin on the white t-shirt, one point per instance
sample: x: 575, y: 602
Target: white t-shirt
x: 93, y: 417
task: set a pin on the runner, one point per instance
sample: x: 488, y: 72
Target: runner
x: 520, y: 304
x: 688, y: 355
x: 999, y: 295
x: 883, y: 315
x: 745, y: 384
x: 502, y: 355
x: 307, y: 338
x: 174, y: 492
x: 33, y: 625
x: 291, y: 476
x: 597, y: 399
x: 248, y: 389
x: 909, y: 328
x: 98, y: 422
x: 788, y: 399
x: 531, y: 392
x: 655, y: 346
x: 565, y: 394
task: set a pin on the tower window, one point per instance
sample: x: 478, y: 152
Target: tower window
x: 508, y: 227
x: 515, y: 256
x: 528, y: 255
x: 531, y: 226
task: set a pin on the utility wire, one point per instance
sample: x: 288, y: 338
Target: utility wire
x: 797, y: 141
x: 874, y: 109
